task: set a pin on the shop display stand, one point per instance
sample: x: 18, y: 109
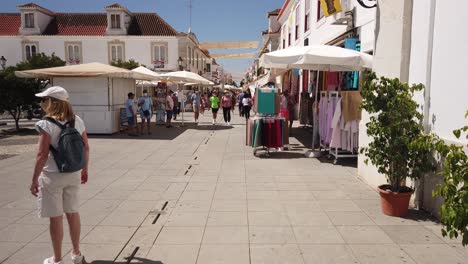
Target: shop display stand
x: 338, y: 153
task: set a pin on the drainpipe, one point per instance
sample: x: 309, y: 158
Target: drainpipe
x: 427, y: 90
x: 419, y: 198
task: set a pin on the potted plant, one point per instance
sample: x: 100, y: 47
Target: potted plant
x: 398, y: 148
x: 454, y: 187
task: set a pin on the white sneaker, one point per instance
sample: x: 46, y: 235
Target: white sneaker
x: 213, y: 122
x: 51, y: 261
x: 77, y: 259
x: 228, y: 123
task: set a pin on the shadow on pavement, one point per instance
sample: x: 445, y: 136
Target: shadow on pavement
x: 161, y: 132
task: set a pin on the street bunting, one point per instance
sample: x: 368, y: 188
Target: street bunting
x: 230, y: 45
x: 233, y: 55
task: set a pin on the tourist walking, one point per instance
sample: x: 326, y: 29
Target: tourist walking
x: 202, y: 104
x: 131, y: 111
x: 233, y: 101
x: 291, y: 104
x: 240, y: 96
x: 226, y: 104
x: 214, y: 100
x: 169, y: 109
x: 145, y: 103
x: 247, y: 104
x: 196, y: 104
x: 57, y: 177
x: 175, y: 109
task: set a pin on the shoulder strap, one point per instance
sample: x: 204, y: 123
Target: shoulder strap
x: 55, y: 122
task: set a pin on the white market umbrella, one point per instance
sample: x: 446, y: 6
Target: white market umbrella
x: 85, y: 70
x: 186, y: 77
x: 147, y: 71
x: 319, y: 58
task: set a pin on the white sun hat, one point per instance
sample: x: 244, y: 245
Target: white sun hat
x: 56, y: 92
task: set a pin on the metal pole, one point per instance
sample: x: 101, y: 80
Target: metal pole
x: 312, y: 153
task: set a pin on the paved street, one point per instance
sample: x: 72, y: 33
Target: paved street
x: 223, y: 205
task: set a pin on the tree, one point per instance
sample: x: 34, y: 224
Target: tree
x: 18, y: 94
x: 129, y: 65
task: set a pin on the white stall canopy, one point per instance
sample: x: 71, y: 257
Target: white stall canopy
x: 145, y: 83
x: 185, y: 77
x: 319, y: 57
x: 93, y: 69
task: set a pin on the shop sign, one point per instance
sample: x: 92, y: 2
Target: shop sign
x: 331, y: 7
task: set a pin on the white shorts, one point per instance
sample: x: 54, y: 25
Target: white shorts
x: 58, y: 193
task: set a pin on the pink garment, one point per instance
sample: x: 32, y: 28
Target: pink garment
x: 330, y: 112
x: 332, y: 81
x: 323, y: 107
x: 335, y: 125
x: 226, y: 101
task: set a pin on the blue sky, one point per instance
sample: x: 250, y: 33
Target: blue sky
x: 213, y: 20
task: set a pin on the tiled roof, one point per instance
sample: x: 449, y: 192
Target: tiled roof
x: 77, y: 25
x: 9, y: 24
x: 150, y: 24
x: 87, y: 24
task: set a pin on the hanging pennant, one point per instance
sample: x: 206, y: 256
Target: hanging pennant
x: 330, y: 7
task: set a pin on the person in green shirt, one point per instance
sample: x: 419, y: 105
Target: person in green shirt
x: 214, y: 99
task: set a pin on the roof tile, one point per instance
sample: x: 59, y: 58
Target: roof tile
x: 10, y: 24
x: 77, y: 25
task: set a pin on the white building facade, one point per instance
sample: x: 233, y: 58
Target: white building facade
x: 116, y: 35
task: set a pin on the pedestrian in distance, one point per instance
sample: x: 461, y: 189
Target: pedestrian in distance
x: 240, y: 96
x: 146, y: 104
x: 233, y: 101
x: 214, y: 100
x: 196, y: 104
x: 247, y: 104
x: 61, y: 166
x: 202, y: 104
x: 226, y: 104
x: 131, y: 111
x: 169, y: 109
x: 175, y: 110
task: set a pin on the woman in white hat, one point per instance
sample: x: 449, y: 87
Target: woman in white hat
x: 59, y: 172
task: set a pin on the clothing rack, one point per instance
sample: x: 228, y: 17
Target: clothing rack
x: 338, y: 153
x: 327, y: 95
x: 261, y: 136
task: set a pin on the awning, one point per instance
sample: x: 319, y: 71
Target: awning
x: 93, y: 69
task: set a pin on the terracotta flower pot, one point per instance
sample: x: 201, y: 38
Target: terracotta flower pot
x: 394, y: 204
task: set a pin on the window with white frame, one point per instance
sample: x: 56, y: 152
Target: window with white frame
x: 116, y: 52
x: 188, y: 56
x: 192, y: 56
x: 320, y: 13
x: 29, y: 20
x: 159, y: 55
x: 284, y: 36
x: 297, y: 20
x: 307, y: 16
x: 115, y: 21
x: 73, y: 53
x: 30, y: 50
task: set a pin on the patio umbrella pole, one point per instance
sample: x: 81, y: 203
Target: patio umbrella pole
x: 314, y: 153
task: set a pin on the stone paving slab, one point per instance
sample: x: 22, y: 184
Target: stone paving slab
x: 224, y: 205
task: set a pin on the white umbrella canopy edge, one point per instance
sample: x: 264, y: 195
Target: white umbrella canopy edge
x: 93, y: 69
x: 186, y: 77
x: 318, y: 57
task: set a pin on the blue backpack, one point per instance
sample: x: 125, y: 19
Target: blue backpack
x: 70, y: 152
